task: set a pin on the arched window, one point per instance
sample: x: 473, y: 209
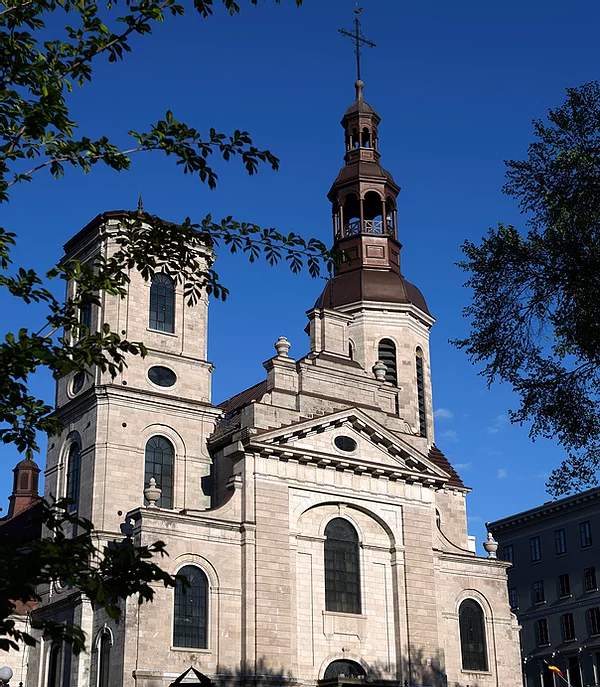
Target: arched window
x: 351, y: 350
x: 73, y: 475
x: 54, y: 666
x: 160, y: 456
x: 191, y: 609
x: 421, y: 393
x: 387, y: 354
x: 472, y: 636
x: 342, y: 567
x: 104, y: 658
x: 343, y: 668
x: 162, y: 303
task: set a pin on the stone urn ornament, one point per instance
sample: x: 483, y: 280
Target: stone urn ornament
x: 152, y: 493
x: 491, y: 546
x: 379, y: 370
x: 282, y: 346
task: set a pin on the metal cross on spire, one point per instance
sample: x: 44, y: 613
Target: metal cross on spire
x: 357, y: 37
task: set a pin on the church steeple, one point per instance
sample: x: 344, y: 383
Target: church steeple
x: 365, y: 222
x: 364, y: 194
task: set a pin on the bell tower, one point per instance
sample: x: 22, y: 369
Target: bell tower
x: 385, y: 318
x: 364, y: 196
x: 152, y: 419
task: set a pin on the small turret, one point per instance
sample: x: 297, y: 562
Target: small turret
x: 25, y: 487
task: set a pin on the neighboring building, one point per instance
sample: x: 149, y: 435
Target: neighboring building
x: 553, y: 587
x: 22, y: 523
x: 322, y: 531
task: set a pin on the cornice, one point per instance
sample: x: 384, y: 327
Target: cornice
x: 547, y: 509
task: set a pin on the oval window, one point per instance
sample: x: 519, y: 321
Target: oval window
x: 78, y: 382
x: 162, y: 376
x: 345, y: 443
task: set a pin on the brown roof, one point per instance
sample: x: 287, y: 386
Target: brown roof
x: 370, y: 285
x: 440, y: 460
x: 25, y: 525
x: 254, y: 393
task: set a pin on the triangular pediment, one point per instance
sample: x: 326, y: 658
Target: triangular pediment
x: 353, y: 439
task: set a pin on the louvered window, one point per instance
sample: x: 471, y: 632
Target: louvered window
x: 160, y: 457
x: 191, y: 609
x: 387, y: 355
x: 342, y: 567
x: 162, y: 303
x: 421, y: 394
x: 472, y: 636
x: 73, y: 476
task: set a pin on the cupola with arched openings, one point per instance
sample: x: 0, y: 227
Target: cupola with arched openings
x: 365, y: 221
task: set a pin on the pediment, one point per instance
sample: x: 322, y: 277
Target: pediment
x: 366, y: 446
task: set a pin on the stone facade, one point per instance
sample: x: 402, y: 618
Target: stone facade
x: 257, y: 480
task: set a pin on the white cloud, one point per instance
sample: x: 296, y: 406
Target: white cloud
x: 474, y: 518
x: 501, y: 474
x: 444, y: 413
x: 462, y: 466
x: 499, y: 423
x: 450, y: 435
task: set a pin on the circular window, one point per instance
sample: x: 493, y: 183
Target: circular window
x: 162, y: 376
x: 345, y: 443
x: 78, y: 382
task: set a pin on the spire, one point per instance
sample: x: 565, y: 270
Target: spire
x: 140, y: 210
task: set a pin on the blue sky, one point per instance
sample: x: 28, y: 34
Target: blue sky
x: 456, y: 85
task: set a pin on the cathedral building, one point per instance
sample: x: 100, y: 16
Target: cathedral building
x: 323, y: 533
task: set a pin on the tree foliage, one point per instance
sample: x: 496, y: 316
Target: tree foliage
x: 535, y: 315
x: 48, y: 48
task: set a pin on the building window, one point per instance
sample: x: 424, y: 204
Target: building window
x: 472, y: 636
x: 160, y: 457
x: 191, y: 609
x: 594, y: 621
x: 54, y: 666
x: 162, y: 303
x: 512, y: 598
x: 508, y: 553
x: 564, y: 585
x: 73, y: 476
x: 585, y: 534
x: 541, y: 632
x: 574, y: 672
x: 560, y: 542
x: 343, y: 668
x: 538, y: 592
x: 421, y: 393
x: 104, y: 658
x: 568, y: 627
x: 342, y: 567
x: 547, y: 676
x: 387, y: 355
x: 85, y: 316
x: 589, y: 577
x: 535, y: 549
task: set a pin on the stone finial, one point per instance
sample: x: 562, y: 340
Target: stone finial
x: 126, y: 528
x: 491, y: 546
x: 282, y: 346
x: 152, y: 493
x: 379, y: 370
x: 140, y: 210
